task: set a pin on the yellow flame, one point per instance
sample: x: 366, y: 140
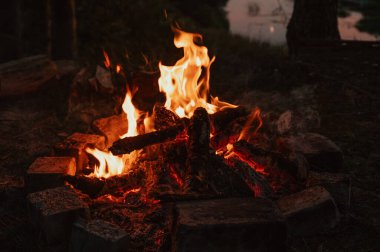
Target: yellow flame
x: 132, y: 115
x: 186, y: 84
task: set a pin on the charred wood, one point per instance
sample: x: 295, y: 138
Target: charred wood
x: 129, y: 144
x: 164, y: 118
x: 95, y: 187
x: 222, y: 118
x: 198, y: 150
x: 253, y: 179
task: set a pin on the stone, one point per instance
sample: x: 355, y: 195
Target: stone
x: 75, y: 146
x: 111, y: 127
x: 321, y: 153
x: 53, y: 211
x: 337, y: 184
x: 295, y: 122
x: 48, y: 172
x: 309, y: 212
x: 97, y: 235
x: 234, y: 224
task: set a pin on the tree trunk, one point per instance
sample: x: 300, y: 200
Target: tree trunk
x: 312, y: 20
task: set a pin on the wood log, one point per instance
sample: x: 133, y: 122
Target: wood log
x: 26, y: 75
x: 255, y: 181
x: 95, y: 187
x: 248, y: 150
x: 164, y: 118
x: 198, y: 150
x: 129, y: 144
x: 221, y: 119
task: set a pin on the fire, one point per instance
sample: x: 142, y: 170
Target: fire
x: 132, y: 115
x: 186, y: 84
x: 110, y: 165
x: 249, y: 128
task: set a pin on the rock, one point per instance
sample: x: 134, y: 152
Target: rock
x: 75, y: 146
x: 296, y: 122
x: 235, y: 224
x: 337, y: 184
x: 321, y: 153
x: 53, y: 212
x: 48, y: 172
x: 309, y: 212
x: 98, y: 235
x: 111, y: 127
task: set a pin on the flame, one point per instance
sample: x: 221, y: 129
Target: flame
x: 186, y: 84
x: 132, y: 115
x: 107, y: 62
x: 109, y: 165
x: 118, y: 68
x: 249, y: 130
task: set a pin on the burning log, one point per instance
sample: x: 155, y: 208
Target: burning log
x: 129, y: 144
x: 222, y: 118
x: 164, y: 118
x: 255, y: 181
x: 95, y: 187
x: 198, y: 149
x: 248, y: 150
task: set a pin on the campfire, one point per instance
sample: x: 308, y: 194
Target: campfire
x: 188, y: 149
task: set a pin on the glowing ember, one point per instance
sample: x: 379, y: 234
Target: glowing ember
x: 185, y: 84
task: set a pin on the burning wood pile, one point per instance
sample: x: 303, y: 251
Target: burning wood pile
x: 158, y: 179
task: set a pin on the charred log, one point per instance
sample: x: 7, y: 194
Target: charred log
x: 198, y: 150
x: 222, y: 118
x: 248, y: 150
x: 164, y: 118
x: 129, y: 144
x: 255, y: 181
x: 95, y: 187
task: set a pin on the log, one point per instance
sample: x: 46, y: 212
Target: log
x: 129, y: 144
x: 248, y: 150
x: 95, y: 187
x: 255, y: 181
x: 198, y: 150
x: 164, y: 118
x: 26, y: 75
x: 222, y: 118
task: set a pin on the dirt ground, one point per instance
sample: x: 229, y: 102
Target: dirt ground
x: 343, y: 87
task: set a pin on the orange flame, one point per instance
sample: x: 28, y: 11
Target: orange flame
x: 107, y: 62
x: 186, y: 84
x: 110, y: 165
x: 132, y: 115
x: 249, y: 130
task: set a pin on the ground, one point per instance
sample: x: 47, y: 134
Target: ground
x: 342, y: 86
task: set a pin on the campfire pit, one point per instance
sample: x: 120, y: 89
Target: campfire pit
x: 141, y: 177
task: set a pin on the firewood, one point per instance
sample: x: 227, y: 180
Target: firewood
x: 129, y: 144
x: 198, y: 149
x: 95, y: 187
x: 221, y: 119
x: 248, y: 150
x: 253, y: 179
x: 88, y: 185
x: 164, y: 118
